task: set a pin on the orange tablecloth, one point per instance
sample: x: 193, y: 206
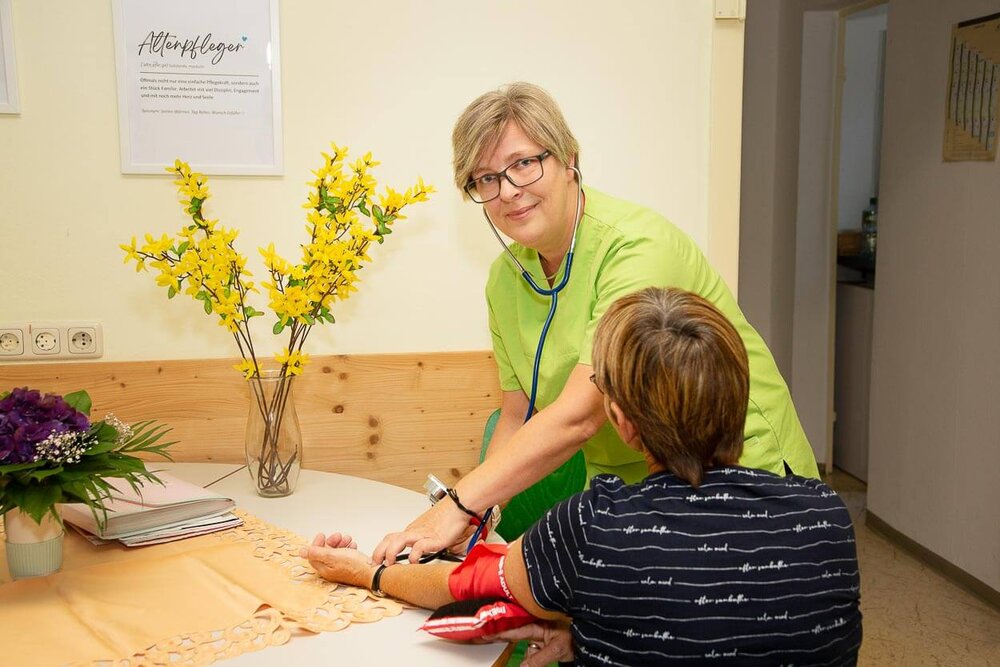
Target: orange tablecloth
x: 189, y: 602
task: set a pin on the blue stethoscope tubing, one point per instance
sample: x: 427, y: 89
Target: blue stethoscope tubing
x: 551, y: 292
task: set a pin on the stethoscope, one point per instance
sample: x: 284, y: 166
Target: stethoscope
x: 542, y: 291
x: 552, y: 292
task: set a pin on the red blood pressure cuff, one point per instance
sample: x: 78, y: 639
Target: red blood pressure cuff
x: 470, y: 619
x: 481, y: 574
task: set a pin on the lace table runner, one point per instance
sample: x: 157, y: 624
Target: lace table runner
x: 190, y: 602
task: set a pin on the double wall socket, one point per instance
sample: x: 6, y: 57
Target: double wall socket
x: 34, y: 341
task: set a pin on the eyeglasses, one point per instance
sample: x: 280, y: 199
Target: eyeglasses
x: 593, y: 379
x: 524, y: 172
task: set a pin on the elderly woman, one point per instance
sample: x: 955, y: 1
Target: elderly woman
x: 515, y: 155
x: 703, y: 561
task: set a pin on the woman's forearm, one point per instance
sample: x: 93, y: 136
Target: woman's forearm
x: 538, y: 447
x: 422, y: 585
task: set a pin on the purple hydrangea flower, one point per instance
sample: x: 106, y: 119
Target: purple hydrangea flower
x: 27, y: 418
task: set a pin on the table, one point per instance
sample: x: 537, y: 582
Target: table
x: 328, y: 502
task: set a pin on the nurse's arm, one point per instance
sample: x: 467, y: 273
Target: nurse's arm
x: 513, y: 406
x: 537, y: 448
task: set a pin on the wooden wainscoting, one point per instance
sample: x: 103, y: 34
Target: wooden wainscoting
x: 388, y: 417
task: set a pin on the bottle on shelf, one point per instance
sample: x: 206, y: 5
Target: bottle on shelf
x: 869, y: 228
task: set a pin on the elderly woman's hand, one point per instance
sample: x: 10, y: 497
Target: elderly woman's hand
x: 336, y: 558
x: 550, y: 642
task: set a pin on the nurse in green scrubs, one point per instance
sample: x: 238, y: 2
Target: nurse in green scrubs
x: 516, y: 156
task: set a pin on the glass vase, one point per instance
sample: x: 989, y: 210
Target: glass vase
x: 33, y: 549
x: 273, y: 437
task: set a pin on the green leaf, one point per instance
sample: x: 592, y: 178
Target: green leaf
x: 103, y: 432
x: 208, y: 307
x: 363, y: 208
x: 308, y: 318
x: 171, y: 292
x: 38, y: 499
x: 101, y: 448
x: 379, y: 215
x: 11, y: 468
x: 39, y: 475
x: 278, y: 327
x: 79, y: 400
x: 183, y: 247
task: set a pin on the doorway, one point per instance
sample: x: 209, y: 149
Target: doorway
x: 858, y: 134
x: 837, y: 167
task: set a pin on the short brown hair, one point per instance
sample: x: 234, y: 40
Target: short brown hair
x: 678, y: 370
x: 482, y: 123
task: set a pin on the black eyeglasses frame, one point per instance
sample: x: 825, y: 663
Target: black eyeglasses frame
x: 470, y: 187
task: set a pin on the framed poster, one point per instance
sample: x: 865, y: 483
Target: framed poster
x: 9, y: 101
x: 199, y: 81
x: 970, y: 127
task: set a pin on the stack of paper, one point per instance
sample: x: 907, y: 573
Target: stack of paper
x: 157, y: 514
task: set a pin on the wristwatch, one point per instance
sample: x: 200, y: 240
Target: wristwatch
x: 436, y: 490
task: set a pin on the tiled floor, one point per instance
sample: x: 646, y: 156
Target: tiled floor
x: 912, y: 615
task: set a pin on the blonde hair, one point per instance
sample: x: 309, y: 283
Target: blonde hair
x: 482, y: 123
x: 678, y: 370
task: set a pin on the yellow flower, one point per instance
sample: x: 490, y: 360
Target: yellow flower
x: 130, y: 252
x: 270, y: 259
x: 246, y: 367
x: 293, y: 361
x: 312, y: 200
x: 201, y: 259
x: 168, y: 279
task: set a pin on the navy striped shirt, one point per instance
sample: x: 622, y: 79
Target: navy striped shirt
x: 749, y: 568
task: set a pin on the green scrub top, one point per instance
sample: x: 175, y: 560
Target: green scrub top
x: 620, y: 249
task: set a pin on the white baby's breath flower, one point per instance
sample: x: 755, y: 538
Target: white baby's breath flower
x: 124, y: 430
x: 66, y: 447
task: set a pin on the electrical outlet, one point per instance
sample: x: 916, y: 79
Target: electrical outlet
x: 11, y: 341
x: 38, y: 341
x: 82, y: 340
x: 45, y: 341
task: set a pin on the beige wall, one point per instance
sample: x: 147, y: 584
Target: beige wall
x: 773, y: 62
x: 934, y: 424
x: 758, y: 193
x: 634, y: 84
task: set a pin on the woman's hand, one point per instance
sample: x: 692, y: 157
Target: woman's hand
x: 440, y: 527
x: 550, y: 642
x: 336, y: 558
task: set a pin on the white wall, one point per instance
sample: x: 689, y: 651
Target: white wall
x: 860, y: 116
x: 934, y: 424
x: 382, y: 76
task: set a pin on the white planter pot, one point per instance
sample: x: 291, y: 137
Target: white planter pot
x: 33, y: 549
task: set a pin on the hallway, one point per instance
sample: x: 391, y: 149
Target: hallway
x: 912, y: 615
